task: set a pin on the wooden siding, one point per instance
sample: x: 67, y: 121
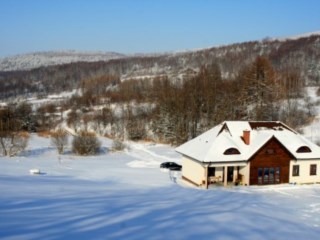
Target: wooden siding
x: 281, y: 158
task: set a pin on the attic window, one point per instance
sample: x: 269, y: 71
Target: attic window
x: 303, y: 149
x: 231, y: 151
x: 270, y: 151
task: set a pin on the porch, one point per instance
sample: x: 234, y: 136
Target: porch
x: 225, y: 175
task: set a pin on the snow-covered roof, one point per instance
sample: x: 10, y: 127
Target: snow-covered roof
x: 211, y: 145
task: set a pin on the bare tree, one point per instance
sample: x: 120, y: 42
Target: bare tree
x: 59, y: 139
x: 260, y: 90
x: 12, y: 139
x: 13, y: 143
x: 135, y: 123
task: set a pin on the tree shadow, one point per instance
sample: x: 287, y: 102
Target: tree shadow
x: 36, y: 152
x: 78, y: 209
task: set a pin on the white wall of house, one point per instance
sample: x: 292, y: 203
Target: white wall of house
x: 193, y: 171
x: 304, y: 171
x: 245, y: 171
x: 219, y: 173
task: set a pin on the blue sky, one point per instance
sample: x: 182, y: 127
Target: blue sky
x: 144, y: 26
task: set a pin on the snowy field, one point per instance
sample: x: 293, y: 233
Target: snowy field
x: 125, y: 196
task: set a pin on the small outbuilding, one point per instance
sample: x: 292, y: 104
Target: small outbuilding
x: 250, y: 153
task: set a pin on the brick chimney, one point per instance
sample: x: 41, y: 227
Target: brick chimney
x: 246, y: 137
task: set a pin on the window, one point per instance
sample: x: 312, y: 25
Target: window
x: 303, y: 149
x: 268, y: 175
x: 231, y: 151
x: 270, y: 151
x: 259, y: 175
x: 271, y: 176
x: 295, y: 170
x: 277, y: 175
x: 313, y: 169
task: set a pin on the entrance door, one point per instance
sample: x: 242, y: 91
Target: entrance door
x: 211, y: 171
x: 230, y: 174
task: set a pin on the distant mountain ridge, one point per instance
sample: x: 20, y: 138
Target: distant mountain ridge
x: 295, y: 37
x: 49, y: 58
x: 299, y: 55
x: 34, y: 60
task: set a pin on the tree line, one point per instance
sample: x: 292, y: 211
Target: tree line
x: 176, y: 110
x: 164, y: 109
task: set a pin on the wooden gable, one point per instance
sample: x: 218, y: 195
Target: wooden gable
x: 271, y: 157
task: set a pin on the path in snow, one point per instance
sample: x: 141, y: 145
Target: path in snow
x: 147, y: 157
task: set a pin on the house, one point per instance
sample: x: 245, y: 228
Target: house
x: 250, y: 153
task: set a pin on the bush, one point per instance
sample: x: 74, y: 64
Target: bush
x: 13, y: 143
x: 60, y: 140
x: 136, y: 129
x: 117, y: 145
x: 86, y: 144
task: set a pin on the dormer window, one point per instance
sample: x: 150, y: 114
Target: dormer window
x: 303, y: 149
x: 231, y: 151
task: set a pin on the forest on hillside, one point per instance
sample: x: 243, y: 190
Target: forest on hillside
x: 169, y: 98
x: 301, y: 55
x: 166, y: 110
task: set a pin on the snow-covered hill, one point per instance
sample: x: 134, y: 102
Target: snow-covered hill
x: 49, y: 58
x: 38, y: 59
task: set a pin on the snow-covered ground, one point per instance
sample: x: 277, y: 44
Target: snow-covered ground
x: 124, y: 195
